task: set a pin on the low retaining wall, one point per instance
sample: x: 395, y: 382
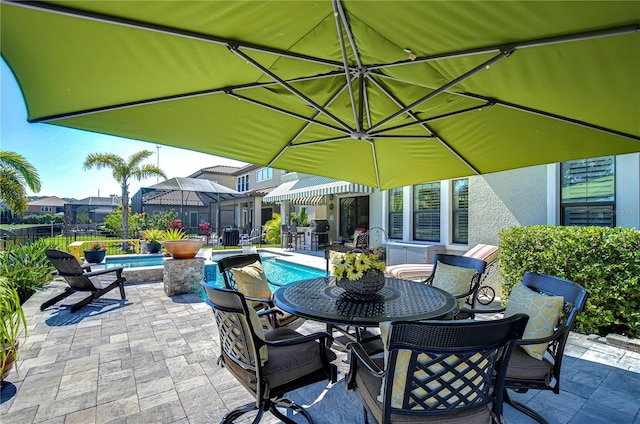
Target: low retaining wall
x: 144, y: 274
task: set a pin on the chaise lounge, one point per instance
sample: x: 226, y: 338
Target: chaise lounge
x: 485, y: 252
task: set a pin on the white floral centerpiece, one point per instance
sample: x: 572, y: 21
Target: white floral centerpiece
x: 358, y: 272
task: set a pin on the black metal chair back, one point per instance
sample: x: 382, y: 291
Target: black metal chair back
x: 465, y: 262
x: 448, y: 369
x: 236, y: 261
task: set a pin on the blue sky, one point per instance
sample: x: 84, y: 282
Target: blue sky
x: 58, y: 153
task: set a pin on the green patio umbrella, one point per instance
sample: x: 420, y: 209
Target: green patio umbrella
x: 380, y: 93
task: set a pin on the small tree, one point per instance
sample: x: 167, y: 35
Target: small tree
x: 16, y: 173
x: 271, y: 229
x: 123, y: 171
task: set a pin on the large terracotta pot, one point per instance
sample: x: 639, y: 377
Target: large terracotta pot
x: 8, y: 363
x: 183, y: 249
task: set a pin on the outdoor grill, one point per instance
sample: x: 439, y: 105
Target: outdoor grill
x: 319, y: 233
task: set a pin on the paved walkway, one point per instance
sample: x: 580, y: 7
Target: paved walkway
x: 152, y: 359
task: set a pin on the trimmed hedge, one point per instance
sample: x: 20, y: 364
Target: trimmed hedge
x: 605, y: 261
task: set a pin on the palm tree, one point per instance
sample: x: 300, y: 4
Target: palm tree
x: 16, y: 173
x: 122, y: 171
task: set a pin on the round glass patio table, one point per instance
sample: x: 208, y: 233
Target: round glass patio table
x: 319, y: 299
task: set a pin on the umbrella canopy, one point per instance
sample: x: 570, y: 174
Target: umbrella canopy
x: 380, y: 93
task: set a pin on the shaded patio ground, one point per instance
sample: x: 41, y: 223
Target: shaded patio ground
x: 152, y: 359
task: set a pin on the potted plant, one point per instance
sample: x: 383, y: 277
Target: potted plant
x: 13, y: 320
x: 178, y: 245
x: 358, y: 273
x: 96, y: 253
x: 154, y: 240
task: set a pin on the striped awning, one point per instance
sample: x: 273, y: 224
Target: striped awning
x: 310, y: 189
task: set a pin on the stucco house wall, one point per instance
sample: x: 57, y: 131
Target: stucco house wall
x: 505, y: 199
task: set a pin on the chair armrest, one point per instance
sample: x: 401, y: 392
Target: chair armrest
x: 276, y: 284
x: 266, y: 303
x: 104, y: 271
x: 318, y: 336
x: 556, y: 334
x: 481, y: 311
x: 356, y: 350
x: 357, y: 354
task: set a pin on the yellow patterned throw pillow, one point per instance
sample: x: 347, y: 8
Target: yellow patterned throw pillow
x: 543, y: 312
x: 252, y: 282
x: 453, y: 279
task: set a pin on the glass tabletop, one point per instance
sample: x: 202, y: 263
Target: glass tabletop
x: 321, y: 300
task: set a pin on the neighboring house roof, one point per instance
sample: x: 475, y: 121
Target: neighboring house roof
x: 217, y: 169
x: 48, y: 201
x: 311, y: 190
x: 98, y: 201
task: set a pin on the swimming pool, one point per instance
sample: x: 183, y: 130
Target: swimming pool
x: 276, y: 269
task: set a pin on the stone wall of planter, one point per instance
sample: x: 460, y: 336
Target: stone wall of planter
x: 182, y: 275
x: 144, y: 274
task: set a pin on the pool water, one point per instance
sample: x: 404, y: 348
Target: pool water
x: 133, y: 261
x: 277, y: 270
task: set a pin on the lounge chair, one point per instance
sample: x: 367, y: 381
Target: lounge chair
x: 486, y: 252
x: 80, y: 278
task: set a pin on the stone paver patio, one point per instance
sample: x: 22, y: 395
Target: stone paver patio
x: 152, y: 359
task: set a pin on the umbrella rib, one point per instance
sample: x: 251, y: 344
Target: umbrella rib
x: 536, y: 42
x: 132, y: 23
x: 338, y: 13
x: 426, y: 127
x: 553, y: 116
x: 299, y: 133
x: 434, y: 118
x: 286, y: 112
x: 235, y: 49
x: 173, y: 97
x: 503, y: 54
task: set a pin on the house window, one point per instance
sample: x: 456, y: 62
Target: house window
x: 426, y: 212
x: 461, y: 211
x: 45, y: 208
x: 588, y: 192
x: 243, y: 183
x: 264, y: 174
x: 395, y: 213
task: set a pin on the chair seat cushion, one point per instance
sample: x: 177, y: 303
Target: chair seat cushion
x: 369, y: 387
x: 410, y: 271
x: 523, y: 367
x: 286, y: 363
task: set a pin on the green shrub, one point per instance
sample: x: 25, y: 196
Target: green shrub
x: 605, y: 261
x: 26, y: 267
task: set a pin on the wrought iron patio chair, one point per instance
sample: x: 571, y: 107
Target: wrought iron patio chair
x: 528, y: 373
x: 436, y: 371
x: 80, y: 278
x: 280, y: 318
x: 465, y: 291
x: 269, y: 364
